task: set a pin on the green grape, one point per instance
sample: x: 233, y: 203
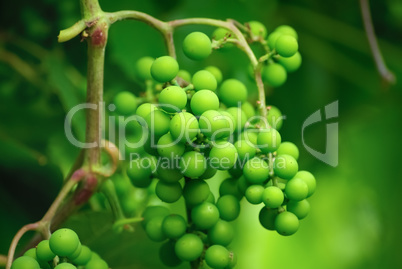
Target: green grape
x: 288, y: 148
x: 211, y: 198
x: 184, y: 127
x: 232, y: 92
x: 272, y: 38
x: 145, y: 109
x: 197, y: 46
x: 250, y: 135
x: 223, y: 155
x: 232, y: 261
x: 286, y: 30
x: 126, y: 103
x: 299, y: 208
x: 285, y: 166
x: 230, y: 122
x: 229, y: 207
x: 192, y: 164
x: 189, y: 247
x: 248, y: 109
x: 309, y: 179
x: 153, y: 229
x: 31, y: 253
x: 96, y: 264
x: 164, y: 69
x: 174, y: 226
x: 78, y: 249
x: 254, y: 194
x: 64, y: 242
x: 139, y: 172
x: 286, y: 46
x: 43, y: 251
x: 65, y: 266
x: 296, y: 189
x: 95, y: 256
x: 167, y: 254
x: 221, y: 33
x: 268, y: 140
x: 204, y: 80
x: 274, y: 117
x: 286, y: 223
x: 168, y: 192
x: 204, y: 100
x: 168, y: 174
x: 153, y: 211
x: 245, y: 150
x: 256, y: 171
x: 216, y: 72
x: 240, y: 118
x: 242, y: 185
x: 173, y: 99
x: 221, y: 233
x: 158, y: 123
x: 274, y: 74
x: 229, y: 186
x: 267, y: 218
x: 185, y: 75
x: 214, y: 125
x: 273, y: 197
x: 169, y: 148
x: 25, y: 262
x: 84, y: 257
x: 143, y: 68
x: 195, y: 192
x: 258, y: 29
x: 217, y: 257
x: 292, y: 63
x: 133, y: 127
x: 209, y: 172
x: 205, y: 215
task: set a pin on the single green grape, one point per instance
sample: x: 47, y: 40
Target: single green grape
x: 195, y: 192
x: 272, y: 38
x: 232, y: 92
x: 204, y: 100
x: 204, y: 80
x: 158, y: 123
x: 250, y: 135
x: 209, y: 172
x: 167, y: 254
x: 223, y: 155
x: 274, y: 117
x: 65, y: 265
x: 168, y: 192
x: 193, y: 164
x: 299, y: 208
x: 222, y: 33
x: 97, y: 264
x: 286, y: 30
x: 174, y: 226
x: 230, y: 123
x: 31, y: 253
x: 139, y: 172
x: 285, y: 166
x: 229, y: 207
x: 268, y: 140
x: 205, y: 215
x: 153, y: 211
x: 248, y: 109
x: 286, y: 46
x: 184, y: 127
x: 258, y: 29
x: 288, y: 148
x: 144, y: 109
x: 173, y: 99
x: 168, y: 174
x: 296, y: 189
x: 43, y: 251
x: 126, y: 103
x: 189, y: 247
x: 273, y: 197
x: 78, y: 249
x: 185, y: 75
x: 242, y: 185
x: 214, y: 125
x: 217, y: 257
x: 291, y: 63
x: 197, y: 46
x: 267, y: 218
x: 229, y: 186
x: 216, y: 72
x: 153, y: 229
x: 309, y: 179
x: 64, y: 242
x: 84, y: 257
x: 164, y: 69
x: 256, y: 170
x: 25, y: 262
x: 169, y: 147
x: 274, y: 74
x: 254, y: 194
x: 245, y: 150
x: 221, y: 233
x: 143, y: 68
x: 240, y: 118
x: 286, y: 223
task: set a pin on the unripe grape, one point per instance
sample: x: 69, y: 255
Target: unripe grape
x: 211, y: 198
x: 143, y: 68
x: 216, y: 72
x: 144, y: 109
x: 158, y: 123
x: 78, y: 249
x: 258, y: 29
x: 167, y: 254
x: 169, y: 148
x: 273, y: 197
x: 31, y: 253
x: 256, y: 170
x: 229, y: 207
x: 139, y: 172
x: 43, y: 251
x: 154, y: 229
x: 153, y: 211
x: 65, y: 266
x: 204, y: 80
x: 223, y: 155
x: 309, y: 179
x: 25, y: 262
x: 173, y: 99
x: 285, y: 166
x: 299, y: 208
x: 126, y: 103
x: 296, y: 189
x: 254, y: 194
x: 221, y: 33
x: 272, y: 38
x: 286, y: 46
x: 292, y: 63
x: 209, y: 172
x: 217, y: 257
x: 184, y: 127
x: 84, y: 257
x: 274, y: 117
x: 205, y: 215
x: 274, y: 74
x: 193, y: 164
x: 168, y: 192
x: 64, y: 242
x: 232, y: 92
x: 185, y: 75
x: 96, y: 264
x: 268, y: 140
x: 229, y: 186
x: 250, y: 135
x: 267, y: 218
x: 197, y: 46
x: 204, y: 100
x: 174, y: 226
x: 189, y: 247
x: 286, y: 223
x: 164, y: 69
x: 240, y: 118
x: 214, y: 125
x: 195, y: 192
x: 288, y: 148
x: 221, y: 233
x: 286, y: 30
x: 245, y: 149
x: 248, y: 109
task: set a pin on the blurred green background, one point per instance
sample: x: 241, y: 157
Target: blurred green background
x: 355, y: 220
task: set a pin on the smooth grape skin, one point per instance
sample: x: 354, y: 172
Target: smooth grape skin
x: 84, y: 257
x: 288, y: 148
x: 268, y: 140
x: 286, y: 223
x: 285, y: 166
x: 272, y: 38
x: 267, y: 218
x: 274, y: 117
x: 65, y: 266
x: 164, y: 69
x: 286, y: 30
x: 229, y: 207
x: 197, y: 46
x: 96, y: 264
x: 158, y: 123
x: 154, y: 229
x: 189, y: 247
x: 144, y: 109
x: 299, y: 208
x: 185, y: 75
x: 174, y: 226
x: 245, y: 149
x: 240, y: 118
x: 184, y: 127
x: 205, y: 215
x: 286, y: 46
x: 195, y: 192
x: 25, y: 262
x: 169, y: 148
x: 309, y: 179
x: 126, y: 103
x: 232, y: 91
x: 209, y: 172
x: 167, y: 254
x: 221, y: 233
x: 173, y: 99
x: 248, y: 109
x: 43, y: 251
x: 258, y: 29
x: 217, y: 257
x: 216, y: 72
x: 193, y: 164
x: 143, y: 68
x: 221, y: 33
x: 78, y: 249
x: 214, y: 125
x: 204, y: 100
x: 250, y: 135
x: 230, y: 186
x: 254, y: 194
x: 292, y: 63
x: 204, y: 80
x: 168, y: 192
x: 168, y: 174
x: 273, y: 197
x: 64, y: 242
x: 153, y: 211
x: 274, y: 74
x: 139, y: 172
x: 31, y: 253
x: 256, y: 170
x: 223, y: 155
x: 296, y: 189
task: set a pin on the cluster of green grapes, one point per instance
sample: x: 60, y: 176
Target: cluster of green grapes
x: 193, y: 126
x: 63, y: 250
